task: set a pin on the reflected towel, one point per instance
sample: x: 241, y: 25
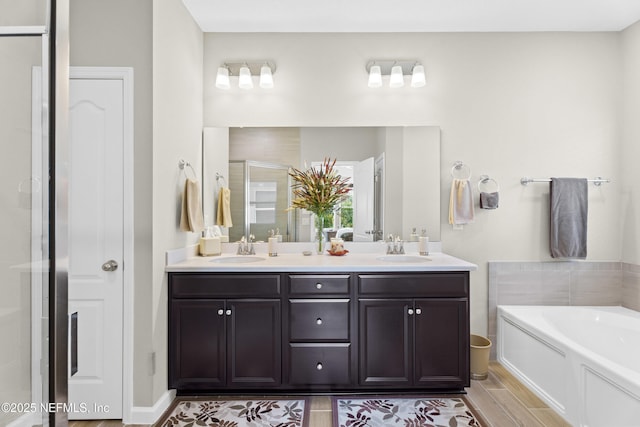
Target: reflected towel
x: 191, y: 218
x: 223, y: 216
x: 489, y: 200
x: 461, y: 202
x: 568, y: 225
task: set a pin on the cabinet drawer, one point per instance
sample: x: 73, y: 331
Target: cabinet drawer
x: 319, y: 320
x: 224, y: 285
x: 318, y: 284
x: 320, y: 364
x: 454, y: 284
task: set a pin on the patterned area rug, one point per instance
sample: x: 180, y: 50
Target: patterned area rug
x: 259, y: 412
x: 382, y: 411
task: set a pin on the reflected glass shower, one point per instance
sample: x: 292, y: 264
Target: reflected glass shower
x: 24, y: 276
x: 261, y: 197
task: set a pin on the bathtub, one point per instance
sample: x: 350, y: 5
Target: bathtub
x: 584, y: 362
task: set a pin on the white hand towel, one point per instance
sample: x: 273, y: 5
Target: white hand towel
x: 461, y: 209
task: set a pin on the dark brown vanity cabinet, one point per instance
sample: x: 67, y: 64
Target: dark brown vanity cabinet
x: 320, y: 349
x: 318, y: 332
x: 233, y: 342
x: 413, y: 330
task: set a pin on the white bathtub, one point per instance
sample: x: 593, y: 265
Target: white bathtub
x: 582, y: 361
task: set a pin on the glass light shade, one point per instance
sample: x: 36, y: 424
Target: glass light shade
x: 245, y: 81
x: 222, y: 78
x: 375, y: 76
x: 417, y: 77
x: 266, y: 78
x: 397, y: 78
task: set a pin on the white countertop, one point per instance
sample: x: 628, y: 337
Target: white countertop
x: 187, y: 261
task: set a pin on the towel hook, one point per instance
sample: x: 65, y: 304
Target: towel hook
x: 486, y: 180
x: 182, y: 164
x: 460, y: 168
x: 220, y: 177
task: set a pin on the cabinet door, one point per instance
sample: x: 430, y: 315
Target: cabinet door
x: 441, y: 343
x: 254, y: 343
x: 385, y: 342
x: 196, y: 344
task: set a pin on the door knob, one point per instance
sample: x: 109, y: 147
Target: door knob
x: 110, y: 265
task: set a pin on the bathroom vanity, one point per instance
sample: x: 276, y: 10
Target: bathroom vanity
x: 318, y: 324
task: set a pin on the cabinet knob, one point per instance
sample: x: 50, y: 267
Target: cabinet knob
x: 318, y: 321
x: 220, y: 312
x: 318, y: 285
x: 418, y: 311
x: 228, y: 312
x: 319, y: 366
x: 410, y: 311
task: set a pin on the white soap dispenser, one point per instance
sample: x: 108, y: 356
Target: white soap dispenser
x: 413, y: 237
x: 272, y: 244
x: 423, y: 243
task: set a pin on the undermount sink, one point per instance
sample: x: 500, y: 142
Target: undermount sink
x: 403, y: 258
x: 237, y: 259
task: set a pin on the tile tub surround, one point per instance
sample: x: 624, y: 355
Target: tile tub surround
x: 561, y: 283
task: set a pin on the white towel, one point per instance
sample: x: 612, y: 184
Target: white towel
x: 461, y: 202
x: 191, y: 218
x: 223, y: 216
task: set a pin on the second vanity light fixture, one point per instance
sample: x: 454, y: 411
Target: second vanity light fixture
x: 396, y: 70
x: 245, y: 71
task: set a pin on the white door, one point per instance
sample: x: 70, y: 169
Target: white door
x: 96, y: 238
x: 363, y: 208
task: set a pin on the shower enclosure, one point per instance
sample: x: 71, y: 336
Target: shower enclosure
x: 27, y: 73
x: 261, y: 196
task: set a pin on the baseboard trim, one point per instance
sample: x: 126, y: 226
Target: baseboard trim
x: 151, y: 414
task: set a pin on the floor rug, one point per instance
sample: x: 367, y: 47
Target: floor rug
x: 407, y: 411
x: 255, y: 412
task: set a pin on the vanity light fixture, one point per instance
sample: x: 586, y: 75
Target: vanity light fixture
x: 396, y: 70
x: 222, y: 78
x: 244, y: 72
x: 266, y: 77
x: 375, y: 76
x: 397, y: 77
x: 245, y: 81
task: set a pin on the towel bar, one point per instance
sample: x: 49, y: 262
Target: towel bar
x: 598, y: 181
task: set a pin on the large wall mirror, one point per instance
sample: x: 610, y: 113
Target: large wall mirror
x: 394, y: 173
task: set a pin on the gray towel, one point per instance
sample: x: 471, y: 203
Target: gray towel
x: 568, y: 226
x: 489, y: 200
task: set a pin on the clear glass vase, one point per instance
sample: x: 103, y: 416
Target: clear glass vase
x: 319, y: 242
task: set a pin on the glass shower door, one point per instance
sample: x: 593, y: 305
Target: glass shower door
x: 24, y: 229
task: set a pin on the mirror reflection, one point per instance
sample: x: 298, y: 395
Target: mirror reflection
x: 384, y: 198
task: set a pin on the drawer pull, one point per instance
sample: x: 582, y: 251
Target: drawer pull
x: 220, y: 312
x: 319, y: 366
x: 418, y: 311
x: 228, y: 312
x: 318, y: 321
x: 318, y: 285
x: 410, y: 311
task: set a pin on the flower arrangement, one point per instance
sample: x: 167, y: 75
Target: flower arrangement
x: 318, y: 190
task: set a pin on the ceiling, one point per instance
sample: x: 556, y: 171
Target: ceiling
x: 413, y: 15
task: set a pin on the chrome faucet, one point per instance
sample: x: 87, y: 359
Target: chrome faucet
x: 395, y: 246
x: 245, y: 246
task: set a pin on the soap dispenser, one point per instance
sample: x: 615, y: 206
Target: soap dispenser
x: 272, y: 244
x: 423, y: 243
x: 413, y: 237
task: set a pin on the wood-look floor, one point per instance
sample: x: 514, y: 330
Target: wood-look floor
x: 500, y: 399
